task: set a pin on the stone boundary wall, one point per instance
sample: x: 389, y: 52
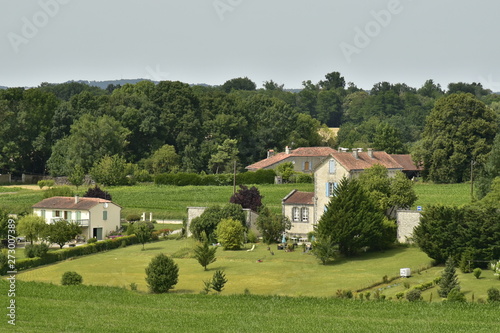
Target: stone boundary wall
x: 407, y: 220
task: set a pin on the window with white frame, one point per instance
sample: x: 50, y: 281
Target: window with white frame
x: 296, y: 214
x: 330, y: 187
x: 332, y: 166
x: 305, y: 214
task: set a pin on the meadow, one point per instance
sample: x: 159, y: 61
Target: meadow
x: 42, y: 307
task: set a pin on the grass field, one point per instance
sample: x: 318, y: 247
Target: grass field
x: 171, y: 202
x: 44, y: 307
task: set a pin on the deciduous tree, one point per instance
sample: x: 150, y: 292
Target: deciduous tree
x: 162, y: 274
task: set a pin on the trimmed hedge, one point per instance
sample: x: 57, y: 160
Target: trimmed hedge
x: 184, y: 179
x: 63, y: 254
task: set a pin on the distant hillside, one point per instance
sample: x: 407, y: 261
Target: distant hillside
x: 105, y: 84
x: 2, y: 87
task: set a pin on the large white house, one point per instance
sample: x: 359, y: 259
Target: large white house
x: 304, y: 209
x: 97, y: 217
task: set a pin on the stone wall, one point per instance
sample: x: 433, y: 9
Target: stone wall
x: 407, y: 220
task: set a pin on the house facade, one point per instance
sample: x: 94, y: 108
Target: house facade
x: 97, y: 217
x: 327, y: 175
x: 304, y: 159
x: 299, y: 208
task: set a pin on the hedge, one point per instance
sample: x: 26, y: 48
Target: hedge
x: 184, y: 179
x: 63, y: 254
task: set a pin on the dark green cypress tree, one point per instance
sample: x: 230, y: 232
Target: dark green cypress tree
x: 449, y: 279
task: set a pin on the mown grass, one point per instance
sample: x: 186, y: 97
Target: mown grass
x: 443, y: 194
x: 284, y: 273
x: 49, y: 308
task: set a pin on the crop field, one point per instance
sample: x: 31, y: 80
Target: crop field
x: 42, y: 307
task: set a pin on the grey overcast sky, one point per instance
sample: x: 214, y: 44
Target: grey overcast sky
x: 288, y: 41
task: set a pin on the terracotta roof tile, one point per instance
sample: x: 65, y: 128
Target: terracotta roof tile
x: 302, y: 151
x: 69, y: 203
x: 299, y: 198
x: 364, y: 161
x: 406, y: 162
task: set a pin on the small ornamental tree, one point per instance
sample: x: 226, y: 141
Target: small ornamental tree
x: 205, y: 254
x: 32, y: 227
x: 449, y: 279
x: 161, y: 274
x: 324, y: 249
x: 143, y: 232
x: 61, y: 232
x: 231, y: 234
x: 96, y: 192
x: 247, y: 198
x: 71, y: 279
x: 218, y: 281
x: 272, y: 225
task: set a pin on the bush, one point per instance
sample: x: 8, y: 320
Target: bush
x: 477, y: 272
x: 46, y: 182
x: 230, y: 234
x: 344, y: 294
x: 36, y: 250
x: 251, y: 237
x: 455, y: 296
x: 92, y: 240
x: 493, y: 295
x: 132, y: 218
x: 161, y: 274
x: 414, y: 295
x: 71, y: 278
x: 302, y: 178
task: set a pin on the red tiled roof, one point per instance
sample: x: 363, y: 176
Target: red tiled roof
x: 299, y: 198
x: 302, y: 151
x: 364, y: 161
x: 69, y: 203
x: 406, y: 162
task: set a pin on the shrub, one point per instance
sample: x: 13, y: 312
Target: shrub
x: 456, y: 296
x: 400, y: 295
x: 303, y: 178
x: 414, y: 295
x: 493, y: 295
x: 161, y: 274
x: 36, y: 250
x: 71, y: 278
x: 218, y: 281
x: 344, y: 294
x: 92, y: 240
x: 477, y: 272
x: 230, y: 234
x: 46, y: 182
x: 132, y: 218
x: 251, y: 237
x: 133, y: 286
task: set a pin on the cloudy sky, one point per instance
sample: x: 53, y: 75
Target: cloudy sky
x: 288, y: 41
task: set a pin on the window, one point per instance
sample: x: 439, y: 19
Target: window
x: 332, y: 166
x: 305, y: 214
x: 104, y: 215
x: 330, y: 187
x: 307, y: 166
x: 42, y: 213
x: 296, y: 214
x: 57, y: 213
x: 78, y: 216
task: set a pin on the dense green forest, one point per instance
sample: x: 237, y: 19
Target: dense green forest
x: 172, y: 126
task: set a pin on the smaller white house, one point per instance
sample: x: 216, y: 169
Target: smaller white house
x: 97, y: 217
x: 299, y: 207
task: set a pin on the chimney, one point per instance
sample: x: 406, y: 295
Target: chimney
x: 370, y: 152
x: 287, y: 150
x: 355, y: 153
x: 270, y: 153
x: 77, y: 199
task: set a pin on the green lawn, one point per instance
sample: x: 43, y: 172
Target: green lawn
x: 444, y: 194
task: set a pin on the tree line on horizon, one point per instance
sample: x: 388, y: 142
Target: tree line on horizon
x: 172, y: 126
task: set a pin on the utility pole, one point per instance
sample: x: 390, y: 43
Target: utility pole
x: 234, y: 177
x: 472, y: 162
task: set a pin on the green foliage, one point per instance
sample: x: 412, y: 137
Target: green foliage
x: 489, y: 170
x: 4, y: 225
x: 240, y: 83
x: 223, y: 160
x: 161, y: 274
x: 71, y: 279
x: 218, y: 281
x: 45, y: 182
x: 352, y: 219
x: 324, y: 249
x: 271, y: 225
x: 495, y: 267
x: 35, y: 250
x: 186, y: 179
x: 132, y: 218
x: 470, y: 233
x: 110, y: 171
x: 388, y: 138
x: 460, y: 129
x: 285, y: 170
x: 455, y: 295
x: 414, y: 295
x: 251, y: 237
x: 493, y: 295
x: 449, y: 279
x: 143, y: 232
x: 205, y: 254
x: 91, y: 240
x: 477, y: 272
x: 59, y: 191
x: 60, y: 232
x: 207, y: 222
x: 77, y: 176
x: 32, y: 227
x: 231, y: 234
x: 165, y: 159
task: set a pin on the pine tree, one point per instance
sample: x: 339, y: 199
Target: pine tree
x: 449, y: 279
x: 218, y: 281
x: 204, y: 254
